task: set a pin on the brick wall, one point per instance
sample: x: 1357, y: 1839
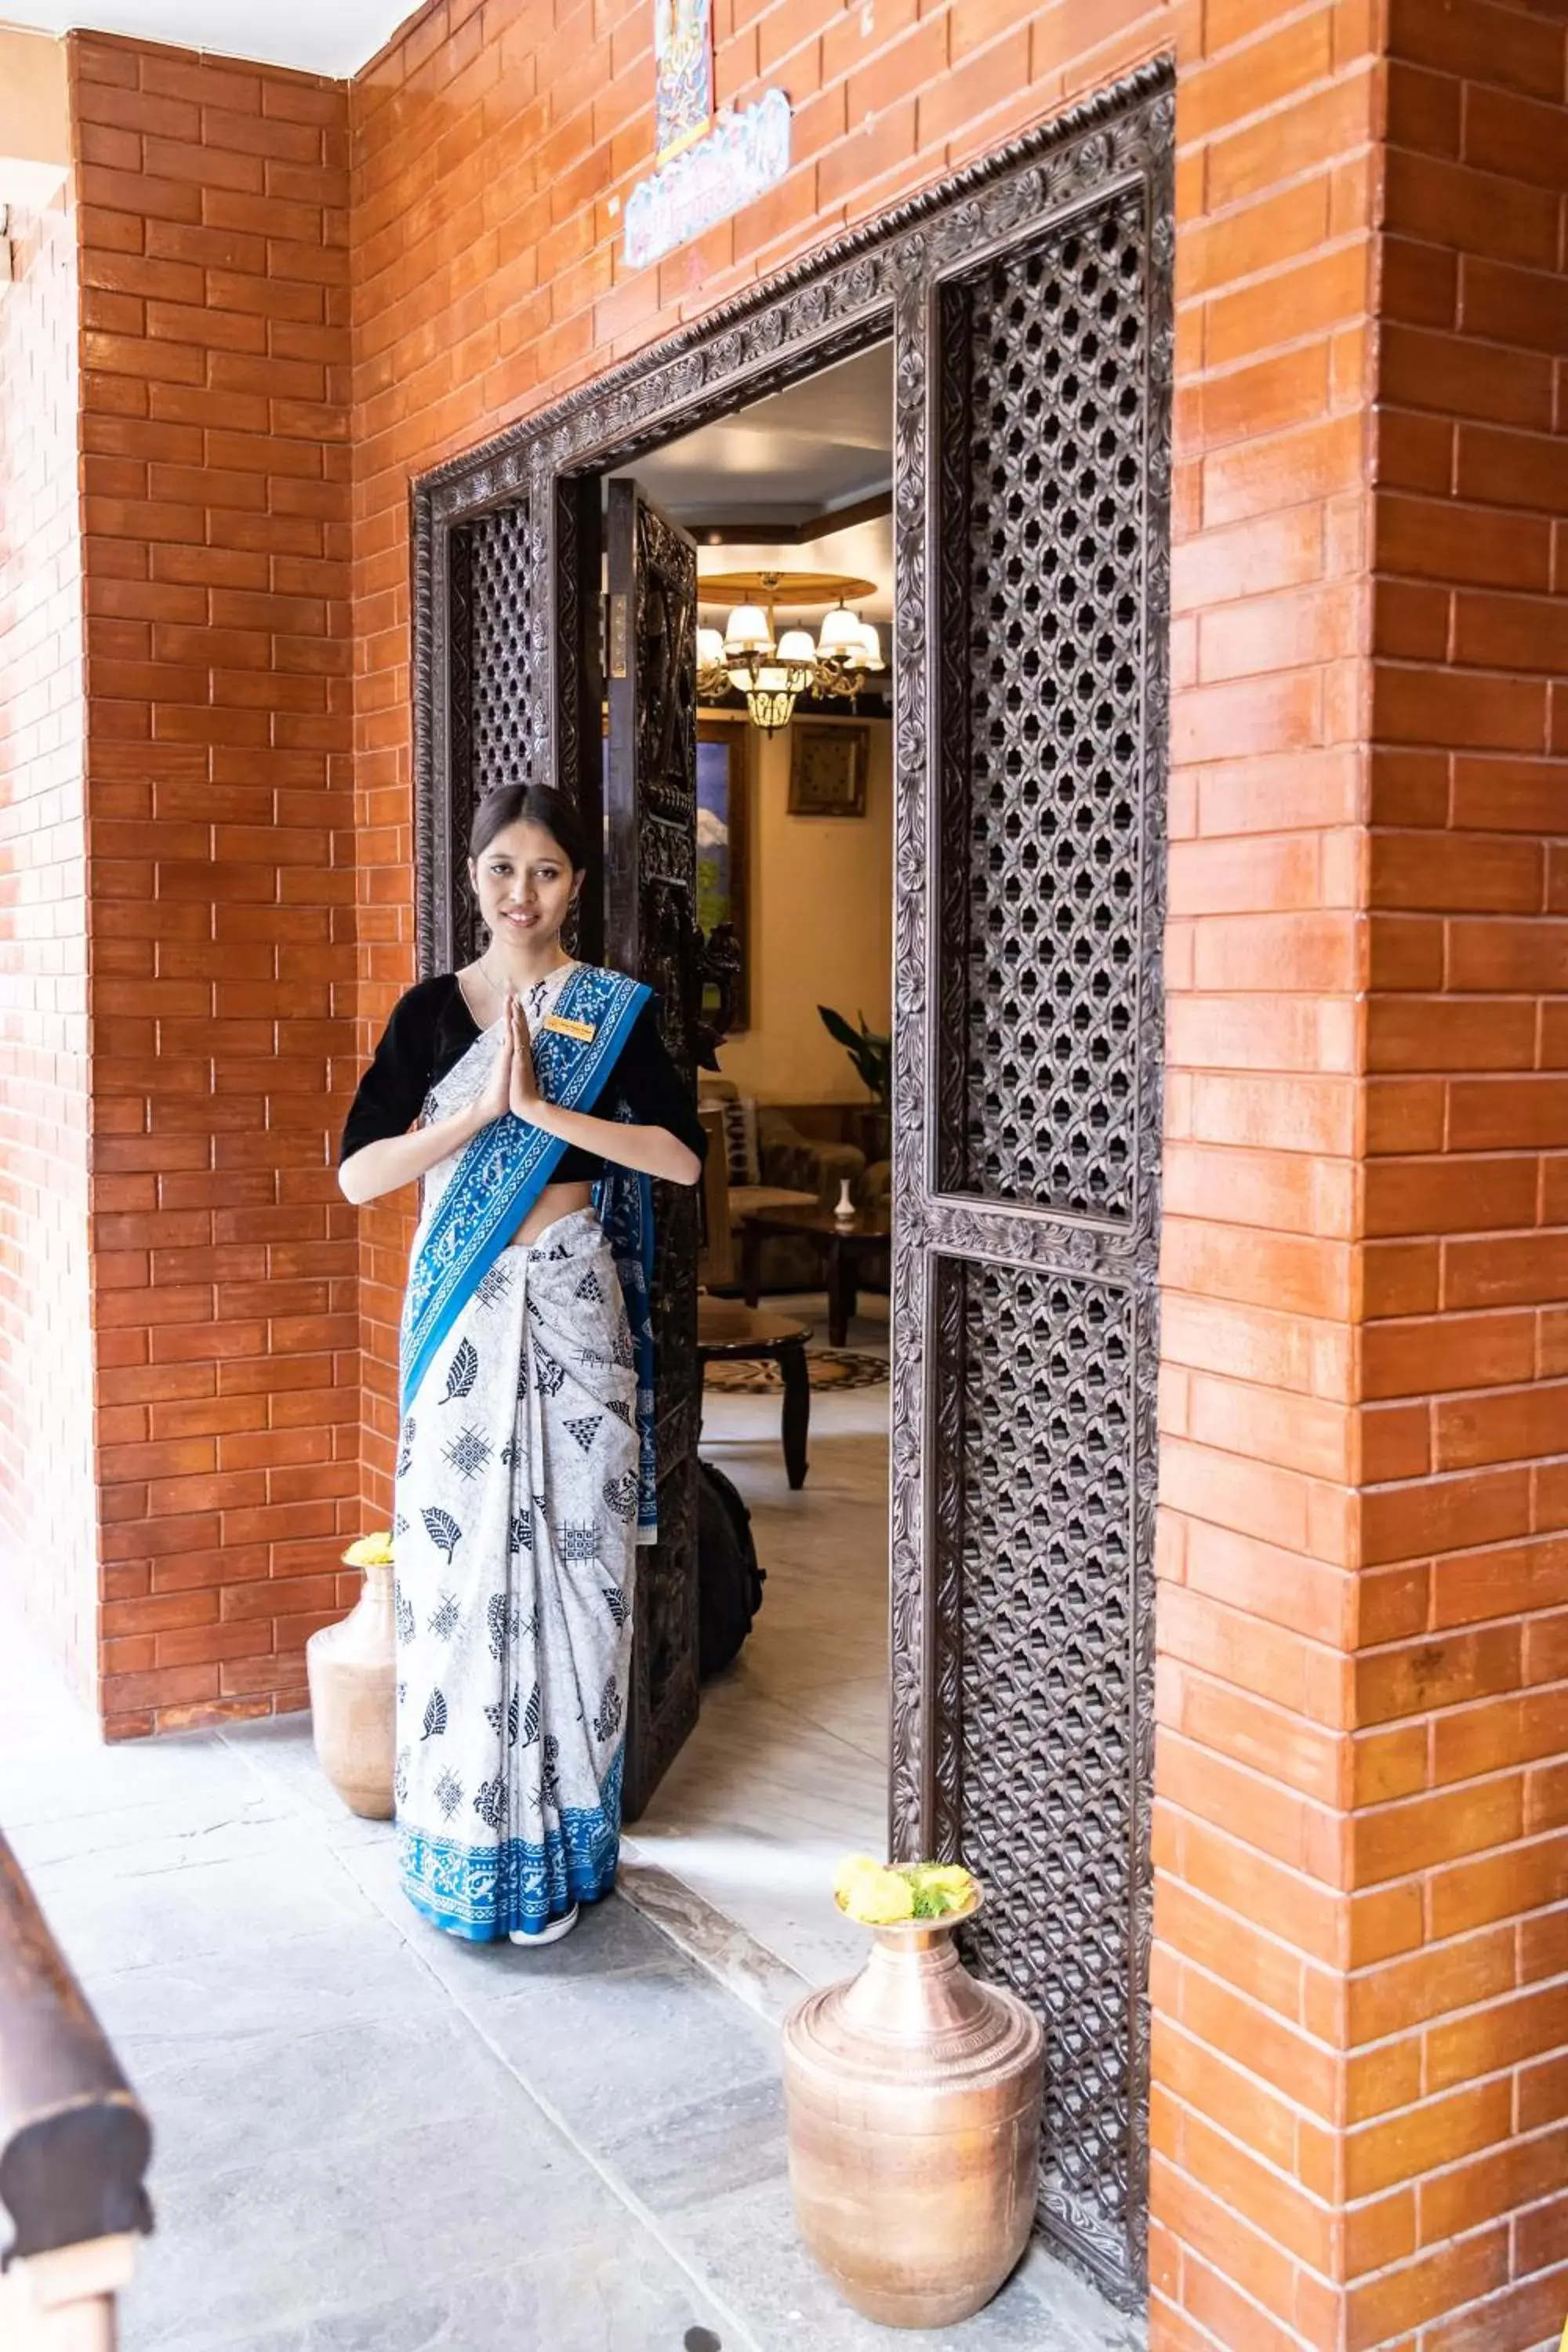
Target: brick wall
x: 1259, y: 1461
x: 214, y: 349
x: 48, y: 1525
x: 1359, y: 1976
x: 1455, y: 2012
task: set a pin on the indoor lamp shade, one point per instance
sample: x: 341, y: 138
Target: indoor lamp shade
x: 849, y: 645
x: 769, y: 703
x: 841, y: 637
x: 747, y: 633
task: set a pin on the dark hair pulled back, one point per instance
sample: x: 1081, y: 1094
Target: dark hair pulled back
x: 539, y: 804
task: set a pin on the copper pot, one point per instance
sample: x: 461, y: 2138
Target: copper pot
x: 912, y: 2095
x: 351, y: 1668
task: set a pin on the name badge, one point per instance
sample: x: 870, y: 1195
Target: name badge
x: 584, y: 1031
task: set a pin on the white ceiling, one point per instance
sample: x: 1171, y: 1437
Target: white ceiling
x: 823, y: 444
x: 326, y: 37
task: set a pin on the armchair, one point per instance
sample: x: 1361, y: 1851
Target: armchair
x: 793, y: 1167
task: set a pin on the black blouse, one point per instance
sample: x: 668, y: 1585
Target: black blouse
x: 431, y: 1029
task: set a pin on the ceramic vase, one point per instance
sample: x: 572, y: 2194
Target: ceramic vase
x: 844, y: 1207
x: 912, y: 2095
x: 351, y: 1667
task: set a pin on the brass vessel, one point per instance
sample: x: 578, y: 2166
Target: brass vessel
x: 351, y: 1668
x: 913, y: 2102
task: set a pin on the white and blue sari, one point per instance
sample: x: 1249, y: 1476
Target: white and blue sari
x: 524, y: 1486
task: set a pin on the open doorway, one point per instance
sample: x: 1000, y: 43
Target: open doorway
x: 1028, y: 302
x: 789, y: 503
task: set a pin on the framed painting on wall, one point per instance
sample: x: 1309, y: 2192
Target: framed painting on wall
x: 724, y: 789
x: 827, y: 769
x: 723, y: 799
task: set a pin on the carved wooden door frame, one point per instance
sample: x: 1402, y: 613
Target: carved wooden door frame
x: 537, y: 485
x: 650, y: 922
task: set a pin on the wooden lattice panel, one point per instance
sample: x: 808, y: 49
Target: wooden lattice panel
x: 1055, y: 349
x: 1053, y: 1644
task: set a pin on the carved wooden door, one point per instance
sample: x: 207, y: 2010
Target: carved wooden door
x: 650, y: 930
x: 1029, y: 1060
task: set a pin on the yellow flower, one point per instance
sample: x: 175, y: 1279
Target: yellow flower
x: 882, y: 1901
x: 873, y: 1894
x: 854, y: 1866
x: 878, y: 1893
x: 371, y: 1551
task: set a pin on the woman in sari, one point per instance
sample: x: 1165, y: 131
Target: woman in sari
x: 544, y: 1102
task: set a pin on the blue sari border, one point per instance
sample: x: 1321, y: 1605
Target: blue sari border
x: 483, y: 1892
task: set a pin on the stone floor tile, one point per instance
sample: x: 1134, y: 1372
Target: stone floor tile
x: 747, y: 2245
x: 727, y: 1951
x: 275, y: 2096
x: 784, y: 1907
x: 171, y: 1833
x: 304, y: 1985
x: 711, y: 2146
x: 48, y: 1778
x: 602, y: 2298
x: 106, y: 1923
x: 610, y: 2052
x: 285, y: 2242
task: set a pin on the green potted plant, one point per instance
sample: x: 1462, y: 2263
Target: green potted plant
x: 872, y: 1055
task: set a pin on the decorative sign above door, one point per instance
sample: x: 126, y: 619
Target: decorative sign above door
x: 709, y: 166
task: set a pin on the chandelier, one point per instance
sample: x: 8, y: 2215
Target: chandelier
x: 773, y: 670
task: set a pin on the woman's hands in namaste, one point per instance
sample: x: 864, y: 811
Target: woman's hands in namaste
x: 511, y: 1083
x: 524, y: 1098
x: 494, y: 1098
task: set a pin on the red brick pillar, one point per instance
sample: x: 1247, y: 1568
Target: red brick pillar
x: 1260, y: 1450
x: 1455, y: 2012
x: 214, y: 348
x: 1360, y: 1923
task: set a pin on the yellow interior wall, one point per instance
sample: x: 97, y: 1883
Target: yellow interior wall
x: 821, y: 930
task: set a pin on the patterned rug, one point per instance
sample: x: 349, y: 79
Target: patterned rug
x: 830, y: 1367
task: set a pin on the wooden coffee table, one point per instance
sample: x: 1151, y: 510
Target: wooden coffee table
x: 842, y: 1248
x: 739, y: 1335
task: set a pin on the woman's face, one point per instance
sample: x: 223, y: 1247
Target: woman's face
x: 524, y: 884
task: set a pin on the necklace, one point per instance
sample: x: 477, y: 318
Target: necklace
x: 494, y: 985
x: 536, y: 988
